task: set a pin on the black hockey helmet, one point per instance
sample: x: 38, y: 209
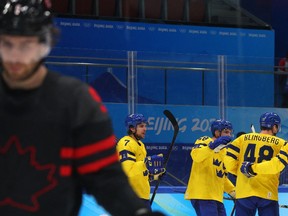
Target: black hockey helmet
x: 26, y: 17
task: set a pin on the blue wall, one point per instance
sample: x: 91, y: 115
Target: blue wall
x: 137, y: 36
x: 167, y: 46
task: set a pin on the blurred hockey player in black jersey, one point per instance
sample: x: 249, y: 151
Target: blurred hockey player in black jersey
x: 56, y: 138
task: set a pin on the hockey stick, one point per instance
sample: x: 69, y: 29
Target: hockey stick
x: 175, y: 125
x: 228, y: 198
x: 233, y: 209
x: 177, y: 179
x: 283, y: 206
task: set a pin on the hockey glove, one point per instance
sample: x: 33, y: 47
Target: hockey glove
x: 161, y: 176
x: 220, y: 143
x: 155, y: 164
x: 247, y: 170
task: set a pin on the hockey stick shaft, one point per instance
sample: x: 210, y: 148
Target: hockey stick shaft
x: 177, y: 179
x: 233, y: 209
x: 175, y: 125
x: 253, y: 128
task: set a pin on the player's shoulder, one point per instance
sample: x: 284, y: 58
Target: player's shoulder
x: 283, y: 142
x: 127, y: 142
x: 66, y: 86
x: 126, y: 139
x: 63, y: 81
x: 204, y: 140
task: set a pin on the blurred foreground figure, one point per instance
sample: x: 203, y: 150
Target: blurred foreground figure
x: 56, y: 138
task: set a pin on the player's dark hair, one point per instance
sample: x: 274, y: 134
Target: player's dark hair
x: 129, y: 132
x: 265, y: 128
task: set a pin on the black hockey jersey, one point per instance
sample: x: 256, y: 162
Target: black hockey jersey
x: 55, y: 142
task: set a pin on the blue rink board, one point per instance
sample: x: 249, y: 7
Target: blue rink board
x: 170, y: 201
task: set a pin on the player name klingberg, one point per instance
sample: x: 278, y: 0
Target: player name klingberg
x: 268, y: 139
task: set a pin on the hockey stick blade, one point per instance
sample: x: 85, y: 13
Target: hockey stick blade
x: 172, y: 119
x: 175, y: 125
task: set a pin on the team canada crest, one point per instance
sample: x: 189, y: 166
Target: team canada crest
x: 23, y: 179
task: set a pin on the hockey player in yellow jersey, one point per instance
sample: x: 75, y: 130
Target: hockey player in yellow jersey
x: 140, y: 168
x: 261, y: 192
x: 208, y: 178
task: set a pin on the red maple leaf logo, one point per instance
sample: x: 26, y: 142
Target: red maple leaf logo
x: 23, y: 180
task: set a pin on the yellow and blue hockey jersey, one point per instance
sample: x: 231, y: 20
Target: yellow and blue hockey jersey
x: 275, y: 165
x: 132, y: 154
x: 208, y: 177
x: 256, y: 148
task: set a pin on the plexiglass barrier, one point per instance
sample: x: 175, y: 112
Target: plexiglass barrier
x: 197, y: 89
